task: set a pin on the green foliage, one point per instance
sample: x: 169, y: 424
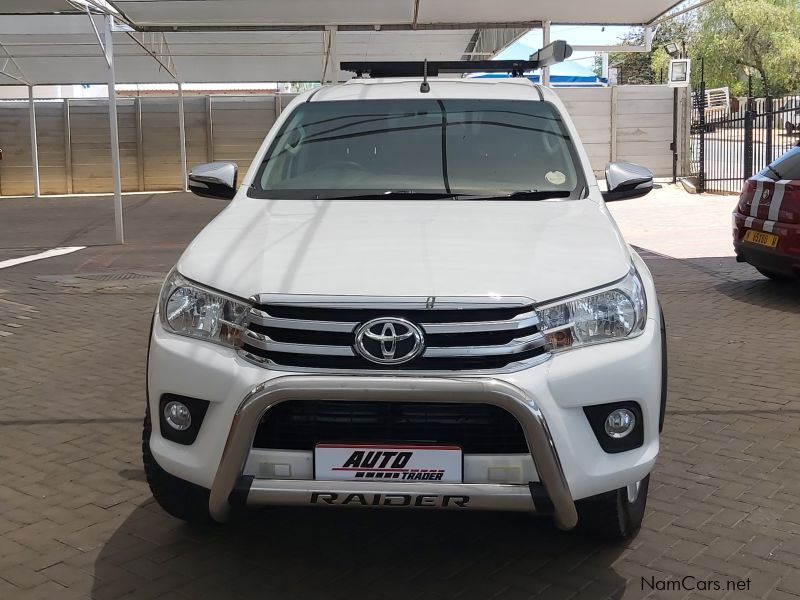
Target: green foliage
x: 646, y: 67
x: 734, y: 37
x: 759, y: 36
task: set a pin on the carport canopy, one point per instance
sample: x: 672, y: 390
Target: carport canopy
x: 208, y: 41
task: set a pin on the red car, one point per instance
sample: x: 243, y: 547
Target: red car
x: 766, y: 222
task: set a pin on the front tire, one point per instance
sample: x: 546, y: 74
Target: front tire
x: 181, y: 499
x: 613, y: 516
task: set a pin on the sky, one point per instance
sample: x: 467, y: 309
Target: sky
x: 578, y: 35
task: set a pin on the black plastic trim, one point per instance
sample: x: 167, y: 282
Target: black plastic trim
x: 771, y: 260
x: 241, y: 490
x: 541, y: 499
x: 197, y: 408
x: 597, y: 415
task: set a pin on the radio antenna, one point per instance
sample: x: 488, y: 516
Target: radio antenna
x: 425, y: 87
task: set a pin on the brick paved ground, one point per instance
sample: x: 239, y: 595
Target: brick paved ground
x: 77, y: 521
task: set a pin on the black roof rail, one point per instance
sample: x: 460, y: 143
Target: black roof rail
x: 551, y: 54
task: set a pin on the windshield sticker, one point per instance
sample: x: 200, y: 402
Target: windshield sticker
x: 555, y: 177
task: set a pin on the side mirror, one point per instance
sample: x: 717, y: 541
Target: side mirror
x: 214, y: 180
x: 627, y: 180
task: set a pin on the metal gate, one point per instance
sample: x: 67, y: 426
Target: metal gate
x: 731, y: 143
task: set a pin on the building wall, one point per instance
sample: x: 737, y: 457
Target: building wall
x: 632, y: 123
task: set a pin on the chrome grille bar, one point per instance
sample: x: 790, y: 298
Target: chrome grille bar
x: 261, y: 317
x: 521, y: 345
x: 317, y: 333
x: 523, y: 321
x: 263, y: 342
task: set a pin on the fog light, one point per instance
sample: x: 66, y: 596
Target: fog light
x: 620, y: 423
x: 177, y: 415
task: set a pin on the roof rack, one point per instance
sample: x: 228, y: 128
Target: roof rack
x: 551, y: 54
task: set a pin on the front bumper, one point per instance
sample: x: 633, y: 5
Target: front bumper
x: 549, y: 397
x: 766, y: 259
x: 785, y: 258
x: 229, y: 484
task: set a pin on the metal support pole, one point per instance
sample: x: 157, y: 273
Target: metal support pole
x: 67, y: 146
x: 112, y: 121
x: 674, y: 144
x: 137, y: 106
x: 545, y: 41
x: 769, y: 132
x: 209, y: 130
x: 330, y: 66
x: 182, y: 131
x: 614, y: 121
x: 701, y: 110
x: 34, y: 143
x: 748, y: 131
x: 604, y: 67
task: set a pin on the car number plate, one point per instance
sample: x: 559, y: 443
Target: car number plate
x: 761, y: 238
x: 396, y: 463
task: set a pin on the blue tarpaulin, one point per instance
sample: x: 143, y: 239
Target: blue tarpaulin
x: 564, y: 74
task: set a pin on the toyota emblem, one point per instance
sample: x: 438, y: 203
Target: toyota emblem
x: 389, y: 341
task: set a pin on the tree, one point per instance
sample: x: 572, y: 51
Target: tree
x: 646, y: 67
x: 757, y: 35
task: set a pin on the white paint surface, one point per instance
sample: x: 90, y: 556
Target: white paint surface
x: 12, y: 262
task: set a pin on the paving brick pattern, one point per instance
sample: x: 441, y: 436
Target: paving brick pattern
x: 77, y: 520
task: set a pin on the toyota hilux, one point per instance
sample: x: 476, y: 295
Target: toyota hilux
x: 416, y: 298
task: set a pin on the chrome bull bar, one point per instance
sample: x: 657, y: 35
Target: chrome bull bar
x: 477, y: 390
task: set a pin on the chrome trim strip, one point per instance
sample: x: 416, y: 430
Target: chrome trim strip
x: 523, y: 321
x: 519, y: 365
x: 530, y: 342
x: 390, y: 389
x: 260, y: 317
x: 482, y: 496
x: 394, y: 302
x: 265, y: 343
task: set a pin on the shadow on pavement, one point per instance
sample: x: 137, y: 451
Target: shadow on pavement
x: 764, y: 293
x: 297, y: 553
x: 150, y: 219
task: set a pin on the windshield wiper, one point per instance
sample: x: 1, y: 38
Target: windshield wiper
x: 391, y: 194
x: 526, y: 195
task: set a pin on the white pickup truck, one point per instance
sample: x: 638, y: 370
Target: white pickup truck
x: 415, y: 299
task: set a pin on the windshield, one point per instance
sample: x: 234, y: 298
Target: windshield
x: 411, y: 147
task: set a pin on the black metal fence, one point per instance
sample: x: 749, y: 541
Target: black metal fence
x: 731, y: 143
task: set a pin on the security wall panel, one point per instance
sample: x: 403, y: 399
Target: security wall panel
x: 590, y: 110
x: 161, y: 144
x: 91, y: 148
x: 15, y: 168
x: 239, y: 126
x: 644, y: 127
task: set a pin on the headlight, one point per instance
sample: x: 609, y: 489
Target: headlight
x: 617, y: 312
x: 188, y: 309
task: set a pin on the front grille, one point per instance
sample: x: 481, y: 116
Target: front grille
x: 476, y: 428
x: 474, y: 334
